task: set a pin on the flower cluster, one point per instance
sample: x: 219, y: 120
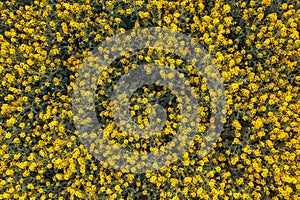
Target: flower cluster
x: 254, y: 45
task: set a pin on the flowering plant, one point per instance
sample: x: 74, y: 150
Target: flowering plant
x: 253, y: 44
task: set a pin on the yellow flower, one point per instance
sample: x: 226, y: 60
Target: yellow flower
x: 267, y: 2
x: 258, y: 123
x: 226, y: 9
x: 11, y: 121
